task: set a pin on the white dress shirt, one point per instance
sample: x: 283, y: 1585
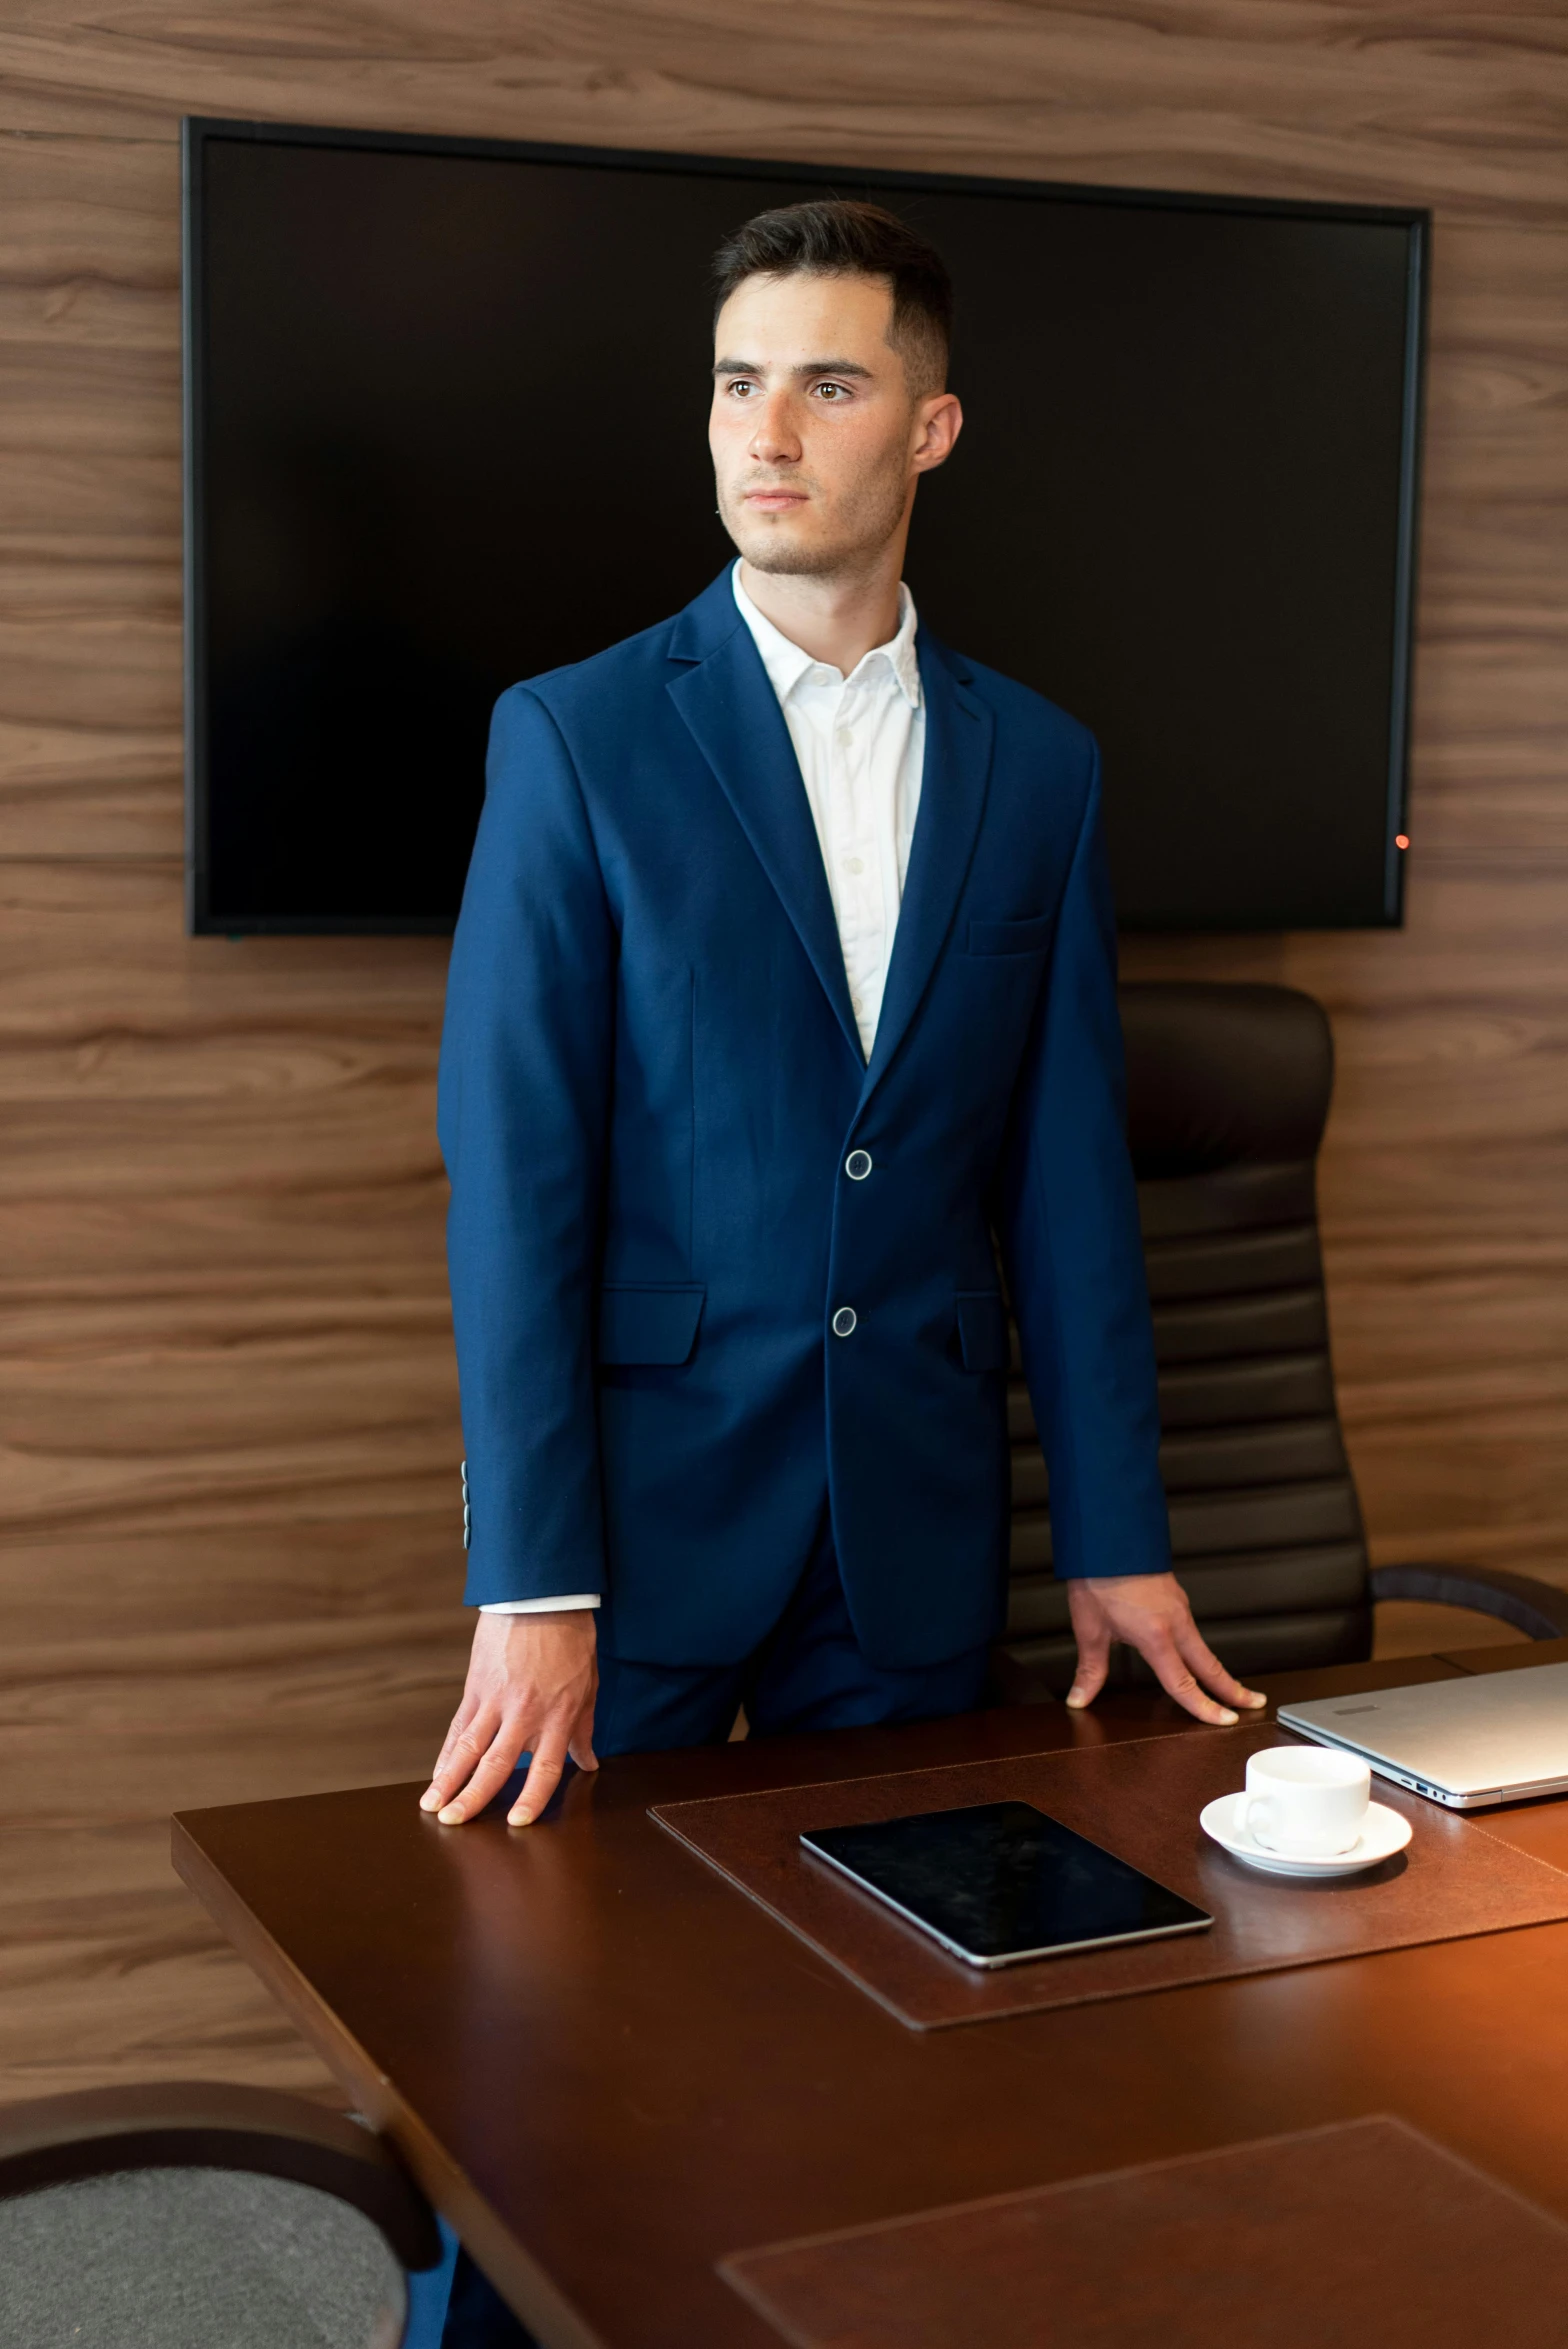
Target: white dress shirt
x: 861, y: 744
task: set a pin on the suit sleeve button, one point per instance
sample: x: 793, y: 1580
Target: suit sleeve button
x: 844, y: 1321
x: 858, y: 1165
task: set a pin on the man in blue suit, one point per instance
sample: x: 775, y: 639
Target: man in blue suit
x: 782, y: 997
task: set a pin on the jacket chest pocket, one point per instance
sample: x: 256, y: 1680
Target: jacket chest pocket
x: 1030, y: 936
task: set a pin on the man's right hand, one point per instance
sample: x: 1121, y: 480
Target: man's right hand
x: 531, y: 1686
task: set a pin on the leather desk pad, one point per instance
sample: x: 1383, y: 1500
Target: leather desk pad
x: 1140, y: 1799
x: 1361, y: 2232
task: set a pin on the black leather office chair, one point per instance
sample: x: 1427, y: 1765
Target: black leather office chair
x: 182, y: 2216
x: 1228, y: 1092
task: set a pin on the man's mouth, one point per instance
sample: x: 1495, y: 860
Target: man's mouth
x: 773, y: 501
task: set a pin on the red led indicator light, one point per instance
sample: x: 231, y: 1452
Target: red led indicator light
x: 1401, y: 840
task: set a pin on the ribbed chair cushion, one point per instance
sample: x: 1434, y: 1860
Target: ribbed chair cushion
x: 194, y: 2259
x: 1228, y: 1090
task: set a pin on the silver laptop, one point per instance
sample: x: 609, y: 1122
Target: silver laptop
x: 1492, y: 1739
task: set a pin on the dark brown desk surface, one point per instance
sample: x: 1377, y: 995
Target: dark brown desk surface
x: 609, y: 2068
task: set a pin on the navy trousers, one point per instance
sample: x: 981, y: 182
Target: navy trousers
x: 809, y: 1673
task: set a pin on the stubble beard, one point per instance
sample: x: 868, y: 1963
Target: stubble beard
x: 867, y: 517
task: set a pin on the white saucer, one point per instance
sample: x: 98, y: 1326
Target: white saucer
x: 1385, y: 1833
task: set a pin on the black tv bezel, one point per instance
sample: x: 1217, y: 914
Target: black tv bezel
x: 198, y: 131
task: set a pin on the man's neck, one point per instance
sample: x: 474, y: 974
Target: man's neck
x: 837, y: 620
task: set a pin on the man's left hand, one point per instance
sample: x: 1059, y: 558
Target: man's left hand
x: 1150, y: 1612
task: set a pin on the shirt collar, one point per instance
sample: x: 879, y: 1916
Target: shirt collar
x: 787, y: 664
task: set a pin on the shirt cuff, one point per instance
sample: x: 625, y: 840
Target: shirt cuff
x: 538, y: 1606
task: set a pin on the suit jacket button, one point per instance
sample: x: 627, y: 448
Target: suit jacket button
x: 858, y: 1165
x: 844, y: 1321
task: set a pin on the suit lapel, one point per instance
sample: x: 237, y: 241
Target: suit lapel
x: 728, y: 704
x: 959, y: 729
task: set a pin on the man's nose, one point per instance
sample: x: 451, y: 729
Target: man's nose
x: 774, y: 439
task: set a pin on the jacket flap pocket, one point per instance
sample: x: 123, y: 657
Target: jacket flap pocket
x: 982, y: 1329
x: 649, y: 1325
x: 1028, y: 937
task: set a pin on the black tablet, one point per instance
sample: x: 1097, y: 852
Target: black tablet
x: 1000, y: 1882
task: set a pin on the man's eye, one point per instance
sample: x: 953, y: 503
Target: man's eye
x: 832, y: 391
x: 739, y: 389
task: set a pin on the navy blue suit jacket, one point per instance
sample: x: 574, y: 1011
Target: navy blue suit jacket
x: 650, y: 1083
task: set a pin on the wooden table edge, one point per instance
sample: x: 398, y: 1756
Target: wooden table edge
x: 522, y: 2282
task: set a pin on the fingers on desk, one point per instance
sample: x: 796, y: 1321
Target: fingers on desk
x: 1158, y: 1623
x: 1212, y: 1673
x: 460, y: 1751
x: 482, y: 1758
x: 1094, y: 1656
x: 565, y: 1732
x: 1188, y: 1670
x: 483, y: 1747
x: 544, y: 1776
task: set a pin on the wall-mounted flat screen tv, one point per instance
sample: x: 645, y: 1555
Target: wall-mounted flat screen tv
x: 446, y: 428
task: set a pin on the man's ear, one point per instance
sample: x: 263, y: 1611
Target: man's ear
x: 938, y: 422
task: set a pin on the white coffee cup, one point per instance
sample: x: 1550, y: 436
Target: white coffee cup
x: 1305, y: 1799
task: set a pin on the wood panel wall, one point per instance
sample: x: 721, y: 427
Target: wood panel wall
x: 229, y: 1564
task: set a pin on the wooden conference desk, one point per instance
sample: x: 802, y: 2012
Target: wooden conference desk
x: 609, y: 2068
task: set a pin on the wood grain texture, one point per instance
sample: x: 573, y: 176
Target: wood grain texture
x: 227, y: 1420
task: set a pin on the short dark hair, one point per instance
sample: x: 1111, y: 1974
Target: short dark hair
x: 840, y: 237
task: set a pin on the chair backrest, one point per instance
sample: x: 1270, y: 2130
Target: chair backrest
x: 1228, y: 1090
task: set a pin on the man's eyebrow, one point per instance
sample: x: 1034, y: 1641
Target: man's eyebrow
x: 811, y: 367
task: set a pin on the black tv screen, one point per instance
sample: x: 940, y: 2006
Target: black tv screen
x: 446, y: 428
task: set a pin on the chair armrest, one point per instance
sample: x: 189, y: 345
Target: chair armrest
x: 182, y: 2124
x: 1539, y: 1609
